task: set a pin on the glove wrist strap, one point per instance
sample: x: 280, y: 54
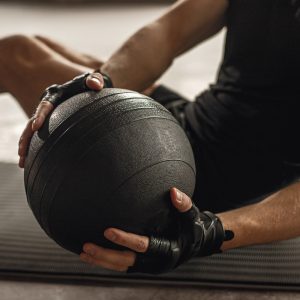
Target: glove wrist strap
x: 107, y: 80
x: 214, y: 234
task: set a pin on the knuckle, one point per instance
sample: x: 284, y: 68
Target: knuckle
x: 42, y: 115
x: 45, y: 104
x: 31, y: 120
x: 141, y: 245
x: 121, y: 240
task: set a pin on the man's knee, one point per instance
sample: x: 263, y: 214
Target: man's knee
x: 14, y: 41
x: 14, y: 47
x: 22, y: 49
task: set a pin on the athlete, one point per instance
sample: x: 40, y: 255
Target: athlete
x: 243, y: 129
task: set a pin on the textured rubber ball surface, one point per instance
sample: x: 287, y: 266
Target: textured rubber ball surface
x: 107, y: 159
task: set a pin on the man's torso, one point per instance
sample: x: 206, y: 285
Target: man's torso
x: 247, y: 123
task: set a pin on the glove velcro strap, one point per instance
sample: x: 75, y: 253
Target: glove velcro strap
x: 162, y: 255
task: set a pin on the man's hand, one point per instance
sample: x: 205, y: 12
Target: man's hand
x: 197, y: 234
x: 94, y: 81
x: 122, y: 260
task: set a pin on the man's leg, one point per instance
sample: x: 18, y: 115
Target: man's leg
x: 28, y: 66
x: 70, y: 54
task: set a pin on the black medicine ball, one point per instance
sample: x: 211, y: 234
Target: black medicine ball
x: 107, y: 159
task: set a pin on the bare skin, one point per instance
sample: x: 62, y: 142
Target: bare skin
x: 273, y: 219
x: 23, y: 60
x: 136, y: 65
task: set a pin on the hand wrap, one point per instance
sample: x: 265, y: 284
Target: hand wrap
x: 58, y: 93
x: 198, y: 234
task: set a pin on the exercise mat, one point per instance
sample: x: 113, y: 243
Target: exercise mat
x: 26, y: 252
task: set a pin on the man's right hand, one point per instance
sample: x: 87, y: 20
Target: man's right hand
x: 94, y: 82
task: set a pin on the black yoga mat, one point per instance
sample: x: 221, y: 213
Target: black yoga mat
x: 25, y: 251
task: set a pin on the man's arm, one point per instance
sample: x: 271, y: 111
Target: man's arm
x: 275, y: 218
x: 150, y: 51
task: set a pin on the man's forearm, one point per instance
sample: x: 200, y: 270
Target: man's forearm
x: 149, y: 52
x: 275, y: 218
x: 140, y: 61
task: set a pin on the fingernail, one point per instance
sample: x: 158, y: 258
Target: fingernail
x: 96, y: 80
x: 111, y: 236
x: 178, y: 196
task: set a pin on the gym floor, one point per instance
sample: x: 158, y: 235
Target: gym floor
x: 111, y: 24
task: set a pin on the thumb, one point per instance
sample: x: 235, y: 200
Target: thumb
x: 180, y: 200
x: 95, y: 81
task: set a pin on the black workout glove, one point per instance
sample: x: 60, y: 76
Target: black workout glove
x: 58, y: 93
x: 198, y: 234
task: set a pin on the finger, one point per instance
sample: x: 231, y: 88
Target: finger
x: 70, y: 54
x: 132, y: 241
x: 33, y: 124
x: 25, y: 139
x: 102, y: 263
x: 21, y: 162
x: 42, y: 111
x: 95, y: 81
x: 115, y: 257
x: 180, y: 200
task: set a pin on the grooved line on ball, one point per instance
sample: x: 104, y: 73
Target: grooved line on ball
x: 150, y: 166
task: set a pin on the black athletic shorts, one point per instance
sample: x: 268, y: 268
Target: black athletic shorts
x: 231, y: 171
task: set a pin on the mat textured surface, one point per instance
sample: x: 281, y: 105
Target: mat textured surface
x: 25, y: 251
